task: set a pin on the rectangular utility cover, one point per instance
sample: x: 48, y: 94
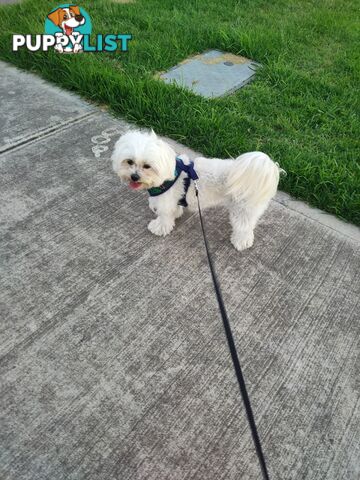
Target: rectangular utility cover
x: 213, y: 73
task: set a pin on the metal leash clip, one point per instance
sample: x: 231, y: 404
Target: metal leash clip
x: 196, y: 187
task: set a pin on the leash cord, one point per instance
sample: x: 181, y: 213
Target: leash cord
x: 233, y: 351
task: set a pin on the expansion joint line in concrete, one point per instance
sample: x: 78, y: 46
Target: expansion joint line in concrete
x: 45, y: 132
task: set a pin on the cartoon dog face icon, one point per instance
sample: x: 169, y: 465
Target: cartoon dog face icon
x: 68, y: 19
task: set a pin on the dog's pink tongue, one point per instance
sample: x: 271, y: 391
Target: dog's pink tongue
x: 134, y: 185
x: 68, y: 30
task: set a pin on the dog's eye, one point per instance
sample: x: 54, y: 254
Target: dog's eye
x: 146, y: 166
x: 130, y: 162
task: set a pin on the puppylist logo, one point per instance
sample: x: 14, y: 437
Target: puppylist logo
x: 67, y: 30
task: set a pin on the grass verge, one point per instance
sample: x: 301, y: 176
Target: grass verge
x: 302, y: 108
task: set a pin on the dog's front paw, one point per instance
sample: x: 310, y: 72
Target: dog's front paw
x: 241, y: 242
x: 160, y: 228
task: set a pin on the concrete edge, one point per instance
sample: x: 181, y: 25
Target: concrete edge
x: 319, y: 216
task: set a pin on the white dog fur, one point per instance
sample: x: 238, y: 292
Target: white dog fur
x: 244, y: 185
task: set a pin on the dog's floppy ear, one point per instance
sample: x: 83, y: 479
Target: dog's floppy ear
x: 75, y: 9
x: 56, y: 16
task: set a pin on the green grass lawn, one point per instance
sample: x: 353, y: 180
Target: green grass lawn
x: 302, y: 109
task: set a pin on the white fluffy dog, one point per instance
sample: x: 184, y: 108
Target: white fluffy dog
x: 244, y: 185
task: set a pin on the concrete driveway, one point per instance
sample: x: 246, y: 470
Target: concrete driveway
x: 113, y: 361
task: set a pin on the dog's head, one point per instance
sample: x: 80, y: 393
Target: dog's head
x: 67, y: 18
x: 143, y: 160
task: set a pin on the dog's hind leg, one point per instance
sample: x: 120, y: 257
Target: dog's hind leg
x: 243, y: 219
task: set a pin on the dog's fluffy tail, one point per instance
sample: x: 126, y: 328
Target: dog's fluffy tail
x: 253, y: 177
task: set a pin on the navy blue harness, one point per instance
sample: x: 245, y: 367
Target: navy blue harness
x: 190, y: 175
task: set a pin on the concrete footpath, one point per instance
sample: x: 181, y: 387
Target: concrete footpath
x: 113, y: 359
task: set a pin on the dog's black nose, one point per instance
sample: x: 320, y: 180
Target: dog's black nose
x: 79, y: 18
x: 134, y: 177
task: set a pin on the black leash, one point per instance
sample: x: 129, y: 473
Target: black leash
x: 233, y: 352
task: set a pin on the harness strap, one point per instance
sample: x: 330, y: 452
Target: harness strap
x: 190, y: 175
